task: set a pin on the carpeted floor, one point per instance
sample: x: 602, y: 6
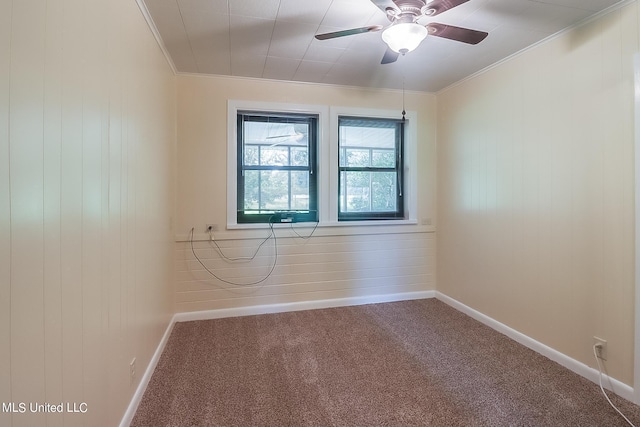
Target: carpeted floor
x: 411, y: 363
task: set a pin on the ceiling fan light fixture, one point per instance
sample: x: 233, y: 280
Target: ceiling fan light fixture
x: 404, y: 37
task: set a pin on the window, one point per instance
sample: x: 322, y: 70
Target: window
x: 267, y: 170
x: 276, y: 166
x: 370, y: 168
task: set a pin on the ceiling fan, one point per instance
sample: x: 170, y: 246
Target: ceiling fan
x: 404, y: 34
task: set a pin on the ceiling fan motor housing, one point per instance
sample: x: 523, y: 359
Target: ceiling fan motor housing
x: 409, y: 10
x: 414, y: 7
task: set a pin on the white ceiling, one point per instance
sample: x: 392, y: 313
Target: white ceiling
x: 274, y: 39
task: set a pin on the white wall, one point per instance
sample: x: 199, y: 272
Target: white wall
x: 535, y: 191
x: 338, y: 262
x: 87, y: 136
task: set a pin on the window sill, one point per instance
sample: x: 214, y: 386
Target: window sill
x: 373, y: 222
x: 367, y: 223
x: 324, y: 229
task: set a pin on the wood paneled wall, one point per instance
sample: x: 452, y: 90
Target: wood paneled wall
x: 87, y: 139
x: 337, y: 262
x: 536, y: 191
x: 319, y: 268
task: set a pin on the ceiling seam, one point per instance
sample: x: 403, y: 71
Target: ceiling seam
x: 264, y: 66
x: 188, y: 38
x: 309, y: 45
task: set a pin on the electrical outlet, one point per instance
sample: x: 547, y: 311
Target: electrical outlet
x: 211, y: 227
x: 132, y: 371
x: 601, y: 347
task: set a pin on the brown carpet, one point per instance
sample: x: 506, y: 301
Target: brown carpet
x: 411, y: 363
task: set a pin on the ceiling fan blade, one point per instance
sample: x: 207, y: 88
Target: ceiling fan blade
x: 464, y: 35
x: 390, y: 56
x: 352, y: 31
x: 436, y: 7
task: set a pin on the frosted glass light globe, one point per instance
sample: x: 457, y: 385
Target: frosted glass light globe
x: 404, y: 37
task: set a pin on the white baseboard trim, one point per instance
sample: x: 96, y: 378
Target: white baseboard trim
x: 617, y: 387
x: 144, y: 381
x: 301, y: 305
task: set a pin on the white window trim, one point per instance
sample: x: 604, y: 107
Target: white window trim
x: 327, y: 151
x: 233, y: 106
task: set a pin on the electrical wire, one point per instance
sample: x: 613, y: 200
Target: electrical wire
x: 304, y: 237
x: 229, y: 282
x: 595, y: 354
x: 237, y: 259
x: 249, y: 258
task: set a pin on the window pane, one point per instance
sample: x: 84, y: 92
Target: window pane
x: 266, y: 191
x: 251, y: 155
x: 274, y: 156
x: 299, y: 190
x: 274, y: 190
x: 252, y: 190
x: 367, y: 133
x: 269, y: 190
x: 356, y: 192
x: 383, y: 158
x: 299, y: 156
x: 383, y: 191
x: 275, y: 144
x: 357, y: 158
x: 368, y: 192
x: 270, y: 132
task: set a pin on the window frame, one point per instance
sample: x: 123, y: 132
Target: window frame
x: 302, y: 215
x: 398, y: 169
x: 238, y: 106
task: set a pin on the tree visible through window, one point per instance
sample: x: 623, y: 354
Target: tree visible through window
x: 370, y: 168
x: 276, y: 166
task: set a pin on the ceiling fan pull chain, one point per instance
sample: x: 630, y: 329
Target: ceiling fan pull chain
x: 403, y: 109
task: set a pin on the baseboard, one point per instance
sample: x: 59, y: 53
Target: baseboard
x: 144, y: 381
x: 301, y: 305
x: 617, y: 387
